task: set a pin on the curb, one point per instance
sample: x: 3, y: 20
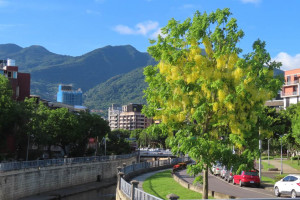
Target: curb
x: 198, y: 189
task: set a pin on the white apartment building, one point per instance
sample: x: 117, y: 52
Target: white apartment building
x: 113, y: 116
x: 129, y: 118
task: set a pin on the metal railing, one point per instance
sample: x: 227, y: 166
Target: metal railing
x: 291, y: 82
x: 126, y: 188
x: 9, y: 166
x: 141, y: 195
x: 289, y: 93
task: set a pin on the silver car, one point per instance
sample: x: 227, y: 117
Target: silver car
x: 223, y: 171
x: 217, y: 169
x: 228, y: 176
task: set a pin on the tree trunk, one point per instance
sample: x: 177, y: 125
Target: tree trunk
x: 64, y: 149
x: 49, y: 151
x: 205, y: 183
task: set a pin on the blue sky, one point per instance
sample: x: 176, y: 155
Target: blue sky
x: 75, y: 27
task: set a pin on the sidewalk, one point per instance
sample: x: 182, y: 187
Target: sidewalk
x: 286, y: 168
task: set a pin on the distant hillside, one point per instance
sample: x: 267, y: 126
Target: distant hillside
x: 49, y: 69
x: 121, y: 89
x: 31, y: 57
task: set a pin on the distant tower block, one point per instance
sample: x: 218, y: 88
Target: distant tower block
x: 68, y: 96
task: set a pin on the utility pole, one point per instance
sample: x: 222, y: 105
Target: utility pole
x: 281, y: 171
x: 259, y: 147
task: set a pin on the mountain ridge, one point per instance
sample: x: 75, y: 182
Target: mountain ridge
x: 48, y: 69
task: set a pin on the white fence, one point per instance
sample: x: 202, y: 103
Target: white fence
x: 126, y: 188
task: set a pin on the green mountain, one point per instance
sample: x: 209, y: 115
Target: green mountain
x: 48, y: 69
x: 121, y: 89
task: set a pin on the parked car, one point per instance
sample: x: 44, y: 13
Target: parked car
x: 247, y: 178
x: 289, y: 185
x: 223, y: 171
x: 217, y: 169
x: 179, y: 166
x: 228, y: 175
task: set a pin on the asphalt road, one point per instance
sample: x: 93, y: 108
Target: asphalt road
x: 219, y: 185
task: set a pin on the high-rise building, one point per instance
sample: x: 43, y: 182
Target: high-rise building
x: 114, y: 116
x: 69, y: 96
x: 20, y: 82
x: 129, y: 118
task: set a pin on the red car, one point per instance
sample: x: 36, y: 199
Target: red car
x: 247, y: 178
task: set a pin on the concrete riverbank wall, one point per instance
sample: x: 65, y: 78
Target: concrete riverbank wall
x: 21, y: 183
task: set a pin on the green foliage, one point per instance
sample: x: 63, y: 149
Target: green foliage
x: 6, y: 105
x: 296, y: 123
x: 117, y: 143
x: 121, y: 89
x: 210, y: 102
x: 44, y: 126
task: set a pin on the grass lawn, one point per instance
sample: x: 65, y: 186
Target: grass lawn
x: 268, y: 180
x: 294, y: 164
x: 162, y: 184
x: 266, y: 166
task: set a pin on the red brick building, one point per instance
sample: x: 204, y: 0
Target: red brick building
x: 20, y: 82
x: 290, y: 90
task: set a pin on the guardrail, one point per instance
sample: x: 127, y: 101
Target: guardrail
x: 9, y: 166
x: 130, y: 190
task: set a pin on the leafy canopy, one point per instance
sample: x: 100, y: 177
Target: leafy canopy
x: 203, y: 91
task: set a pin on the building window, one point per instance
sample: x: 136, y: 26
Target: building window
x: 294, y: 90
x: 8, y: 74
x: 296, y: 79
x: 288, y: 80
x: 15, y: 75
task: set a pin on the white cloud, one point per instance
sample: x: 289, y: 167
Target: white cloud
x: 251, y: 1
x: 156, y: 33
x: 140, y: 29
x: 288, y: 62
x: 92, y: 12
x: 124, y: 30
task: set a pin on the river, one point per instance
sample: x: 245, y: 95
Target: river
x: 107, y: 193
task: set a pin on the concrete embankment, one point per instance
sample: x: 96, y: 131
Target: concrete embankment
x: 27, y: 182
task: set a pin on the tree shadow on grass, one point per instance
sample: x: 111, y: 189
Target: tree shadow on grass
x: 161, y: 175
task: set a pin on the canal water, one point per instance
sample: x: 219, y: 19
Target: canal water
x: 107, y: 193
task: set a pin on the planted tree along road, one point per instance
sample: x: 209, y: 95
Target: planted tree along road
x: 209, y: 102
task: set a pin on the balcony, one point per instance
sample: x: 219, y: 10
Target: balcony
x: 289, y: 94
x: 292, y: 82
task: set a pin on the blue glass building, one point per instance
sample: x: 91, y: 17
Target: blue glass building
x: 68, y: 96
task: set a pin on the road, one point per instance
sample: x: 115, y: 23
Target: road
x: 219, y: 185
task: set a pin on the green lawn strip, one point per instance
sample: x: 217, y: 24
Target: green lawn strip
x: 162, y: 184
x: 266, y: 166
x: 268, y: 180
x: 293, y: 164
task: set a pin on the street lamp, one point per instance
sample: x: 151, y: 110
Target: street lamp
x: 281, y: 170
x: 259, y: 149
x: 269, y: 151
